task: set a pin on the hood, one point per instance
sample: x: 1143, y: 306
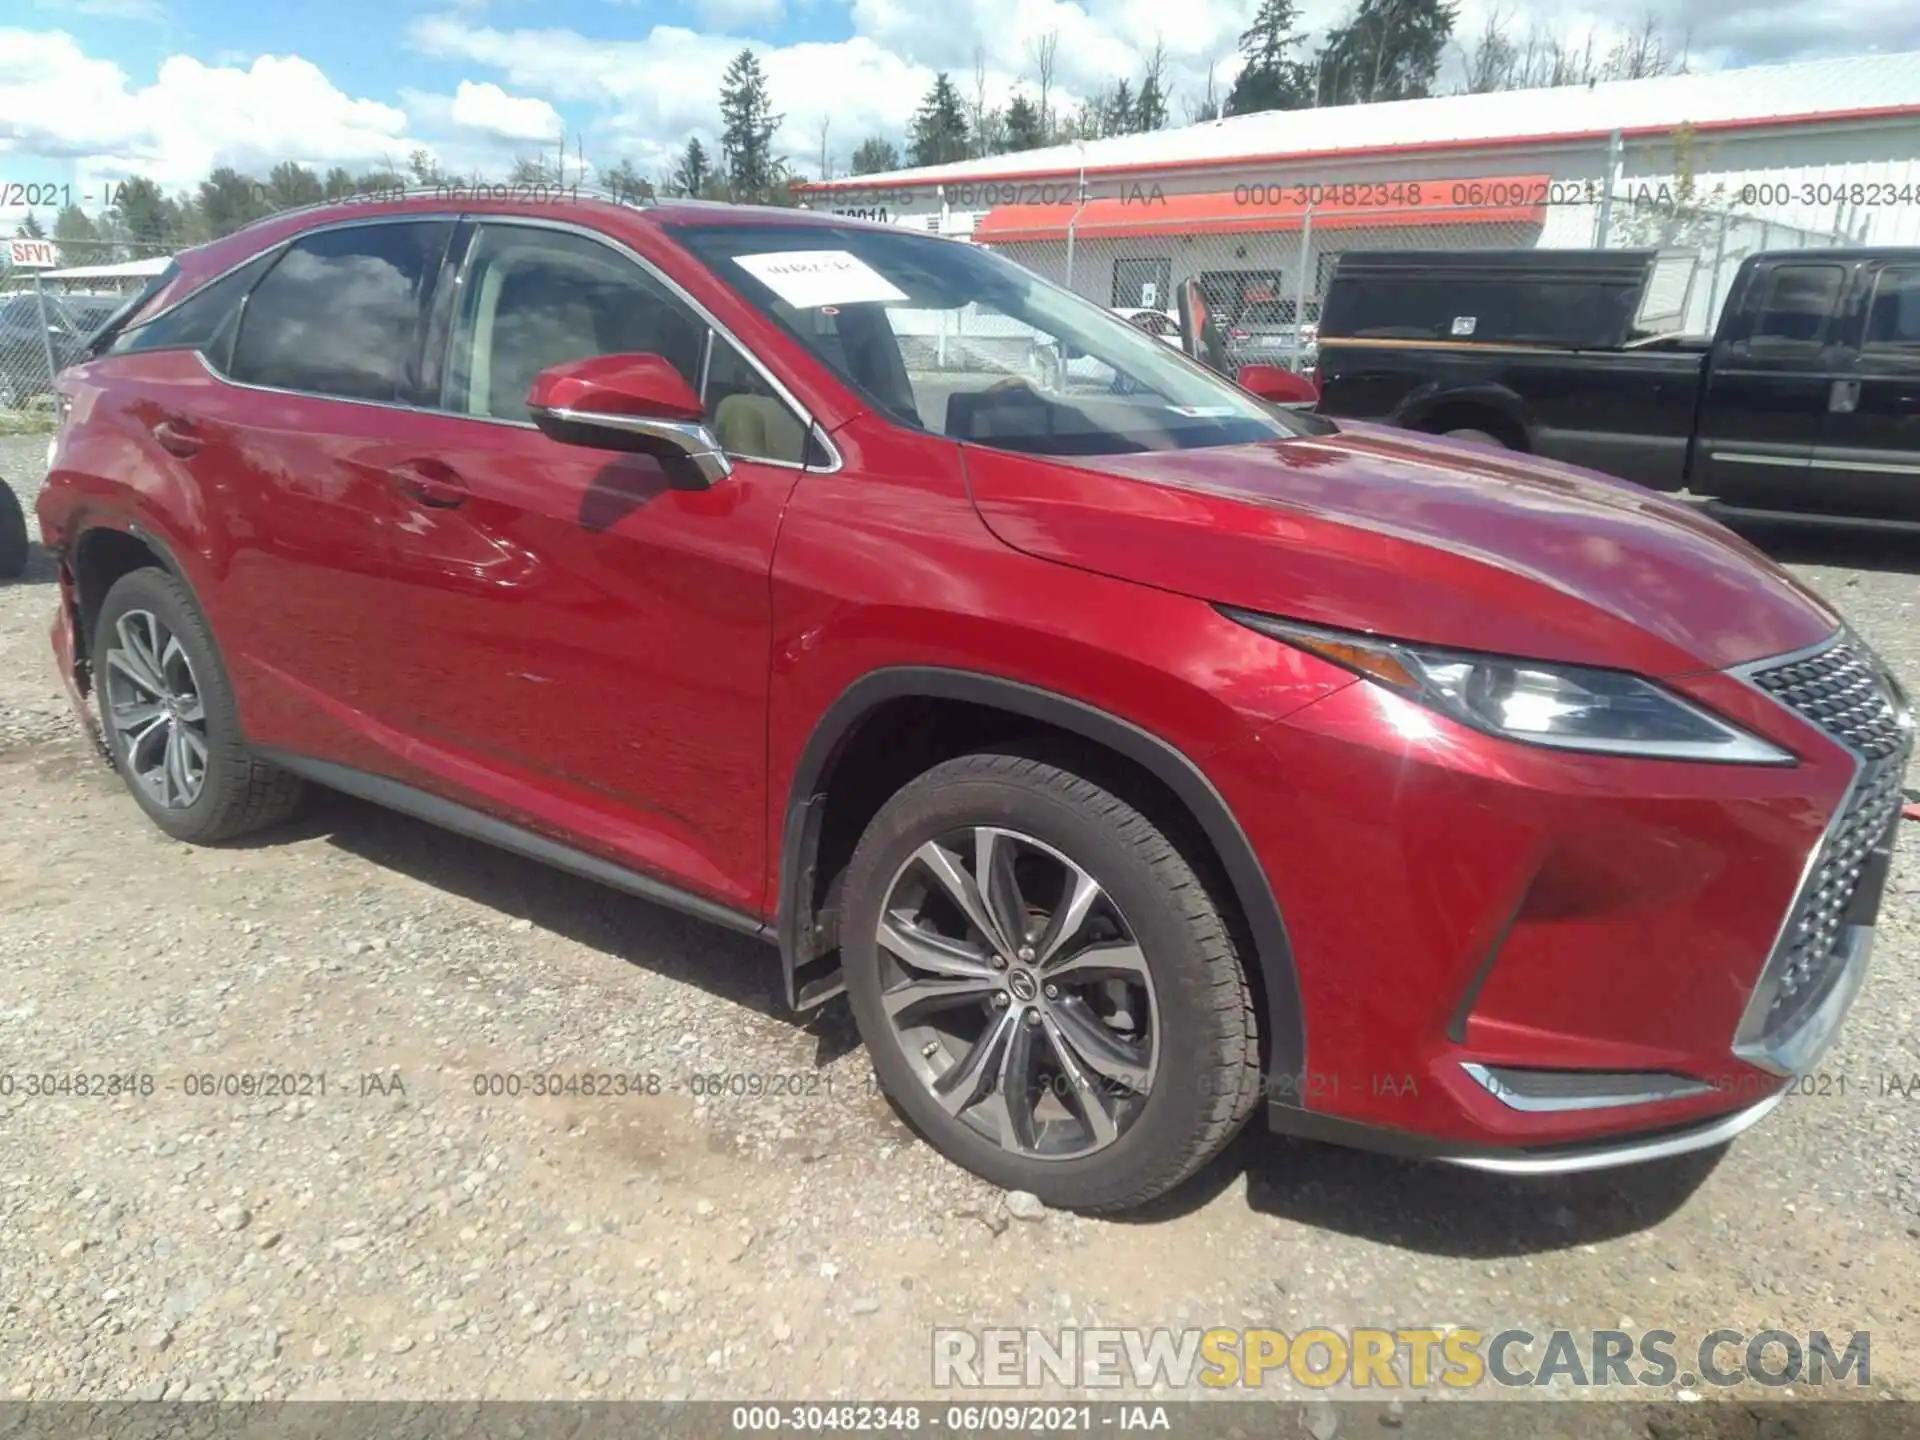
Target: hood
x: 1415, y: 538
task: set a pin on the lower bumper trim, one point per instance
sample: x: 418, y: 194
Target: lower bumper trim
x: 1601, y: 1154
x: 1629, y: 1151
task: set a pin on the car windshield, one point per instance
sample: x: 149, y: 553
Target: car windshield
x: 951, y: 338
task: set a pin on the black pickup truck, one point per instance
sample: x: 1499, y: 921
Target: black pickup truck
x: 1806, y: 400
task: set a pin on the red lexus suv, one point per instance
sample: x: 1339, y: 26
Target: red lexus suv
x: 1134, y: 752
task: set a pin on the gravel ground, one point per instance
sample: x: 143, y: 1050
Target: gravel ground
x: 400, y: 1236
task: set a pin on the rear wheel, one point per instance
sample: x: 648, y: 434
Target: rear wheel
x: 13, y: 534
x: 170, y: 717
x: 1044, y: 985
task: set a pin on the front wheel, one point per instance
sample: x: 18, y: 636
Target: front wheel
x: 1044, y: 984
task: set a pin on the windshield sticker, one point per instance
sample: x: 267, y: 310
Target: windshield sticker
x: 1464, y: 324
x: 1205, y: 412
x: 809, y: 278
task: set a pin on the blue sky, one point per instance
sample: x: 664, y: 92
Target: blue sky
x: 94, y: 90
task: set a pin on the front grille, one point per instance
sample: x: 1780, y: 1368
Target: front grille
x: 1843, y: 691
x: 1811, y: 946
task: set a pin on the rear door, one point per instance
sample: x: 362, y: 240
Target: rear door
x: 1768, y: 384
x: 1868, y: 461
x: 307, y: 448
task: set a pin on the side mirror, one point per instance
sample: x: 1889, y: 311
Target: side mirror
x: 1271, y: 382
x: 637, y: 403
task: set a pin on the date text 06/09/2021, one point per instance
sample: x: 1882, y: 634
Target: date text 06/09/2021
x: 896, y: 1419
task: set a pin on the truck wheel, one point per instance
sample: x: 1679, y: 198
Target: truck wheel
x: 171, y: 720
x: 1045, y: 986
x: 13, y: 534
x: 1475, y: 437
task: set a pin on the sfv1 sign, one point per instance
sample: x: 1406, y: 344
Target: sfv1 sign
x: 31, y: 254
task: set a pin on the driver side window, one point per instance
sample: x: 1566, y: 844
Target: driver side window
x: 535, y: 298
x: 532, y: 298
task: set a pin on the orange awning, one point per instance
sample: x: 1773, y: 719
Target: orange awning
x: 1144, y: 210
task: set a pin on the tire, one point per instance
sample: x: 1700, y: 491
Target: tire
x: 1476, y: 437
x: 13, y: 534
x: 235, y: 793
x: 1203, y: 1078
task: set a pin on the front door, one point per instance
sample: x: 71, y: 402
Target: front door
x: 586, y: 645
x: 1867, y: 463
x: 1768, y: 386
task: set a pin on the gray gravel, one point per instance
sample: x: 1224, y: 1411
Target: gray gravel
x: 401, y: 1235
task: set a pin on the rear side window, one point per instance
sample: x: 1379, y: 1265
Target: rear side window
x: 1795, y: 304
x: 204, y: 321
x: 340, y: 314
x: 1893, y: 323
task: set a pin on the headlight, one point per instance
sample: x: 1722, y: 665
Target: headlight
x: 1568, y: 707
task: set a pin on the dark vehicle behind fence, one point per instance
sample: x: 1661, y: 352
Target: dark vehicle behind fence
x: 1805, y: 400
x: 65, y: 321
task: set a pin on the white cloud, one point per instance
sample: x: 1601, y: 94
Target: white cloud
x: 56, y: 102
x: 491, y: 111
x: 652, y: 93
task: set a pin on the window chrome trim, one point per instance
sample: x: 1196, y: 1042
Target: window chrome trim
x: 349, y: 223
x: 816, y: 432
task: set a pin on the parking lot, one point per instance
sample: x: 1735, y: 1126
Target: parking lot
x: 413, y: 1222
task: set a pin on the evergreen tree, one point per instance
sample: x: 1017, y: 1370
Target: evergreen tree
x: 1150, y: 110
x: 747, y: 127
x: 78, y: 238
x: 228, y: 200
x: 143, y: 211
x: 31, y: 228
x: 338, y: 184
x: 1388, y: 50
x: 938, y: 134
x: 694, y: 173
x: 1024, y: 130
x: 624, y: 182
x: 1271, y: 78
x: 289, y: 185
x: 875, y: 157
x: 1117, y: 115
x: 422, y: 169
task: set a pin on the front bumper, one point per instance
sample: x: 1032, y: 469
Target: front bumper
x: 1465, y: 910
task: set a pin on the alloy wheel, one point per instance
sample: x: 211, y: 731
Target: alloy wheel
x: 153, y: 705
x: 1018, y: 993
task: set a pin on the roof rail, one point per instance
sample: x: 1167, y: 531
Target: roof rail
x: 462, y: 190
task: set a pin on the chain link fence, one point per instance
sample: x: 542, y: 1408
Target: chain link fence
x: 47, y: 313
x: 1264, y: 252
